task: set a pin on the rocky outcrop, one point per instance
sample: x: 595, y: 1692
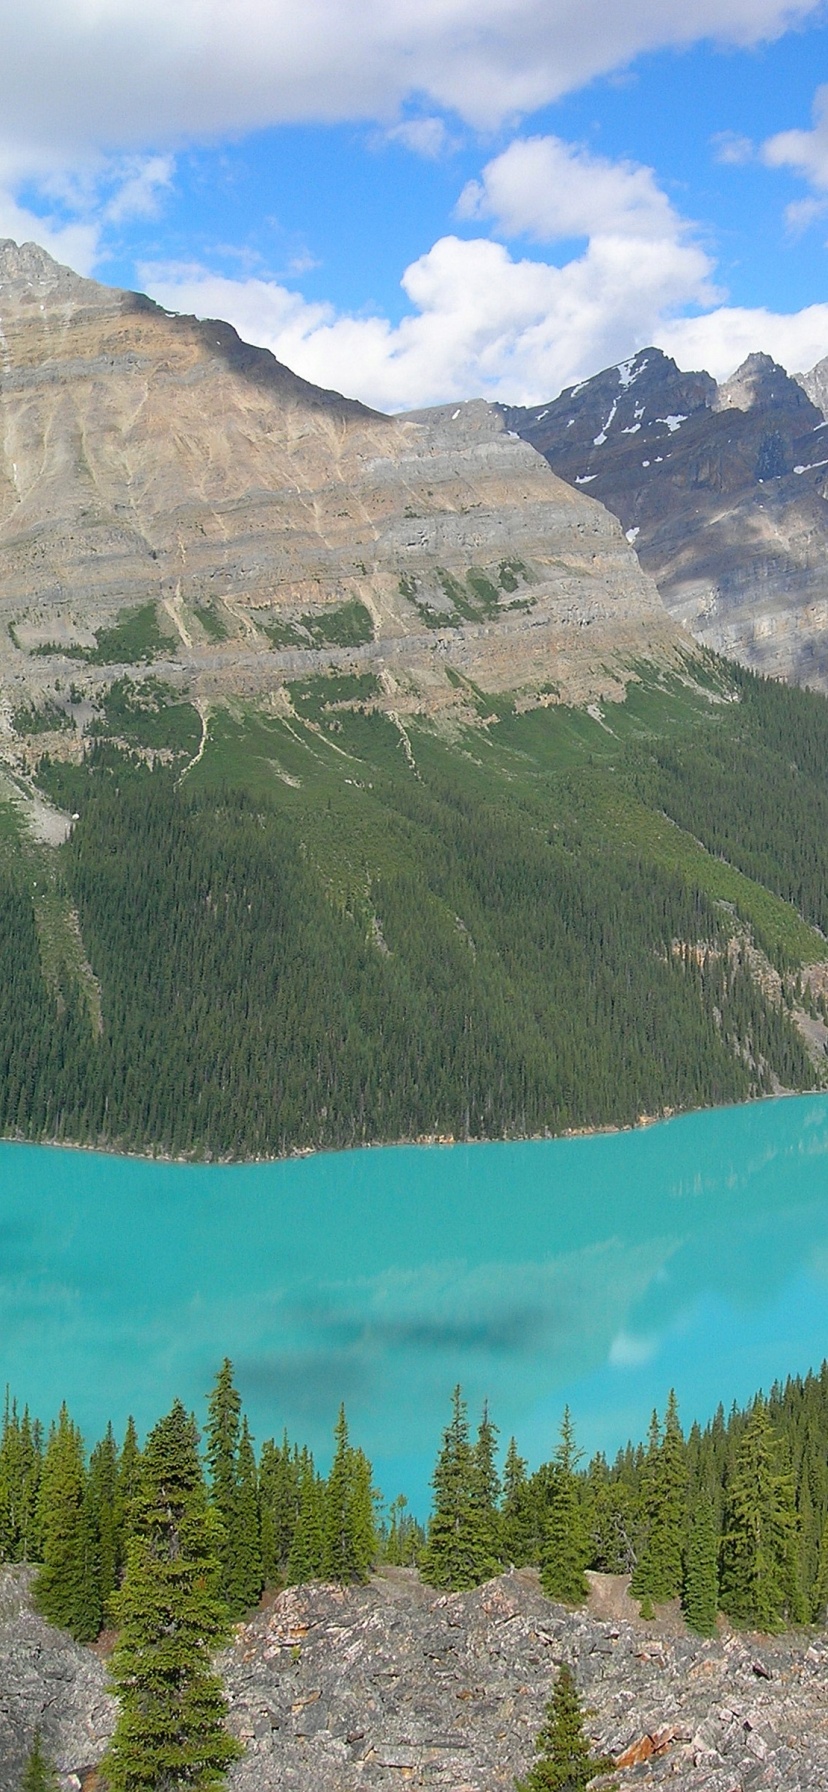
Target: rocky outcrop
x: 49, y: 1683
x: 341, y: 1690
x: 147, y: 458
x: 722, y: 490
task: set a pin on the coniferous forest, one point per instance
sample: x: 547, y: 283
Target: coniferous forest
x: 165, y: 1543
x: 731, y: 1517
x: 309, y: 938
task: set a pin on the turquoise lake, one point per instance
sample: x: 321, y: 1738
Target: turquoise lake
x: 596, y: 1271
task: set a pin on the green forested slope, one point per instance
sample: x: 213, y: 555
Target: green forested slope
x: 329, y: 931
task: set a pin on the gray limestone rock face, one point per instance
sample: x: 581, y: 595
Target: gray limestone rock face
x: 49, y: 1683
x: 337, y: 1689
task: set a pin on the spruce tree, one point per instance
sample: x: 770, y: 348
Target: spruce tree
x: 306, y: 1560
x: 565, y: 1550
x: 565, y: 1760
x: 456, y: 1553
x: 101, y: 1521
x: 126, y: 1488
x: 658, y: 1571
x: 350, y: 1537
x: 170, y: 1731
x: 759, y: 1582
x: 518, y: 1521
x: 20, y: 1465
x: 39, y: 1773
x: 245, y: 1574
x: 279, y: 1492
x: 222, y: 1433
x: 484, y: 1500
x: 62, y: 1587
x: 701, y: 1575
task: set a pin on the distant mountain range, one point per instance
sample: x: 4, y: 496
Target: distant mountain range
x: 721, y: 488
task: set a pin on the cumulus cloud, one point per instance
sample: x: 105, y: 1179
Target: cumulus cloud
x: 483, y: 320
x: 722, y: 338
x: 804, y: 151
x: 547, y: 189
x: 116, y: 73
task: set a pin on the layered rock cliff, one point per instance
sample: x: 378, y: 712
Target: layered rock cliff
x: 150, y: 459
x: 722, y: 490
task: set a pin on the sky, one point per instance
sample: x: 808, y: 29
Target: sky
x: 419, y: 201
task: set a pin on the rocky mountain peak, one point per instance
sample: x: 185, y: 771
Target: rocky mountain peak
x: 815, y: 385
x: 760, y: 381
x: 28, y: 275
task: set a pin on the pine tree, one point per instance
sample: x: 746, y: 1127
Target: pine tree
x: 484, y: 1499
x: 101, y: 1522
x: 38, y: 1774
x: 701, y: 1577
x: 245, y: 1573
x: 223, y: 1428
x: 518, y: 1520
x: 565, y: 1761
x: 458, y: 1549
x: 306, y: 1560
x: 20, y: 1465
x: 758, y: 1583
x: 279, y: 1491
x: 350, y: 1538
x: 170, y: 1730
x: 658, y: 1572
x: 565, y: 1550
x: 126, y: 1489
x: 62, y: 1586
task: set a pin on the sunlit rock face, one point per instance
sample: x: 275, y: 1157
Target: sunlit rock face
x: 151, y: 458
x: 721, y: 489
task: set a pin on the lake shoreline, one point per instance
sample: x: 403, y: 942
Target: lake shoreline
x: 644, y: 1123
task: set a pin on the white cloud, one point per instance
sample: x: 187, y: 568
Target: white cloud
x: 81, y: 74
x: 427, y: 137
x: 732, y: 149
x: 720, y: 340
x: 547, y: 189
x: 482, y: 321
x: 804, y: 151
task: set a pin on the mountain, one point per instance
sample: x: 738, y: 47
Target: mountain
x: 153, y: 460
x: 722, y: 489
x: 355, y: 783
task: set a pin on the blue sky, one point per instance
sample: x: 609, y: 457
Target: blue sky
x: 421, y: 200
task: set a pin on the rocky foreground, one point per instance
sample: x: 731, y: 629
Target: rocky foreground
x: 395, y: 1685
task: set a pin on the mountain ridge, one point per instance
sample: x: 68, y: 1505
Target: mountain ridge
x: 721, y: 489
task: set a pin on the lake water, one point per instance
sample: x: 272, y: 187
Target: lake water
x: 597, y: 1271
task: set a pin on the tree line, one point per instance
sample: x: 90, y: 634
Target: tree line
x: 166, y: 1544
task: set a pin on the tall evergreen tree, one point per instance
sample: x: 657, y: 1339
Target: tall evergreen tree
x: 700, y: 1597
x: 457, y: 1550
x: 565, y: 1760
x: 62, y: 1586
x: 659, y: 1569
x: 20, y: 1465
x: 758, y: 1581
x: 222, y: 1434
x: 350, y: 1538
x: 101, y: 1520
x: 245, y: 1571
x: 279, y: 1493
x: 170, y: 1731
x: 306, y: 1560
x: 485, y: 1492
x: 565, y: 1549
x: 518, y: 1519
